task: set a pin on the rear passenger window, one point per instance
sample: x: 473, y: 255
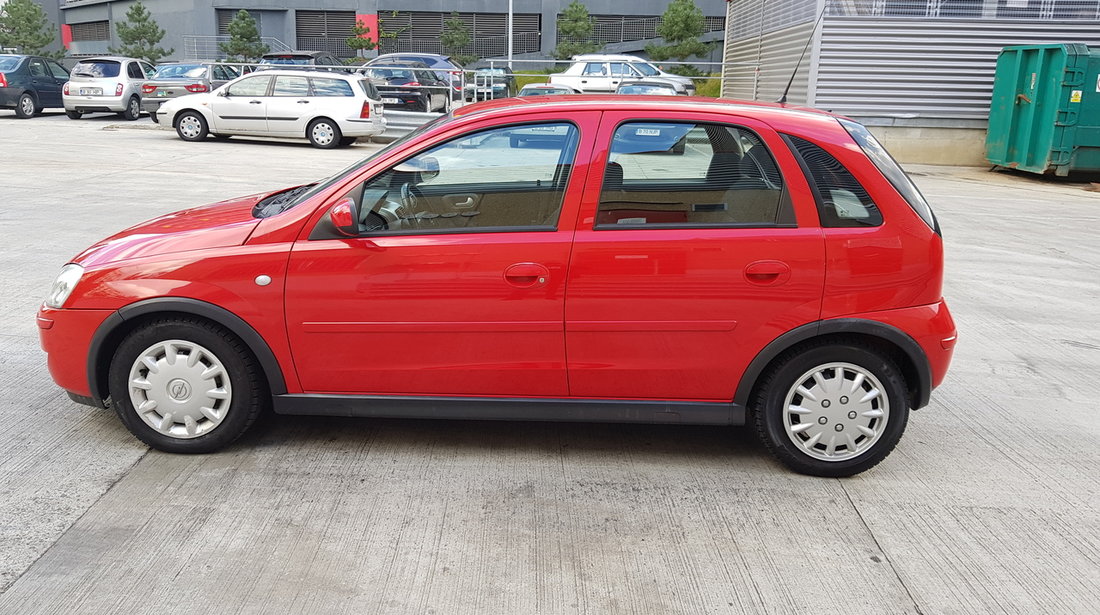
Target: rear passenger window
x: 842, y: 200
x: 662, y: 174
x: 134, y: 71
x: 288, y: 85
x: 331, y: 87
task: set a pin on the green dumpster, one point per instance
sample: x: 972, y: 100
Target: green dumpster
x: 1045, y: 113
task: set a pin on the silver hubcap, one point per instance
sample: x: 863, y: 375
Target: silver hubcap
x: 836, y: 411
x: 27, y: 105
x: 190, y: 127
x: 322, y: 133
x: 134, y: 108
x: 180, y: 389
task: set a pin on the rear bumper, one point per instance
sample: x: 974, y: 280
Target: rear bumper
x: 356, y: 127
x: 88, y: 104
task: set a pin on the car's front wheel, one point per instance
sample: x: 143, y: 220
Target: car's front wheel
x: 324, y: 133
x: 191, y: 126
x: 184, y: 385
x: 832, y: 409
x: 73, y: 115
x: 25, y: 107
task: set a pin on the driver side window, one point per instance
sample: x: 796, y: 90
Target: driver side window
x: 504, y: 179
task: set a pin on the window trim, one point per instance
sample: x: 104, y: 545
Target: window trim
x: 786, y: 204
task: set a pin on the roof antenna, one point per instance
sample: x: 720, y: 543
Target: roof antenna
x: 783, y: 99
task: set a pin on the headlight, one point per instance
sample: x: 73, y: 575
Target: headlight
x: 64, y: 284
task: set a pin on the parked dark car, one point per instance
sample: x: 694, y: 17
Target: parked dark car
x: 490, y: 83
x: 407, y: 87
x: 29, y: 84
x: 444, y: 67
x: 292, y: 59
x: 174, y: 79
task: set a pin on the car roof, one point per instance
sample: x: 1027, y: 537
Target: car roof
x: 102, y: 58
x: 777, y: 113
x: 609, y: 57
x: 304, y: 73
x: 308, y: 54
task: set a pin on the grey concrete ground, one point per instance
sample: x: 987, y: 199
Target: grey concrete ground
x: 991, y: 503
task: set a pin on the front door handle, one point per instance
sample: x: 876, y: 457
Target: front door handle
x: 303, y: 102
x: 767, y: 273
x: 255, y: 102
x: 526, y: 275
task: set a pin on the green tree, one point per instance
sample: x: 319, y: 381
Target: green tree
x: 574, y: 23
x: 358, y: 40
x: 681, y: 26
x: 244, y: 39
x: 455, y: 40
x: 23, y: 25
x: 139, y: 35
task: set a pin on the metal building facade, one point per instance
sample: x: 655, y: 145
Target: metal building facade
x: 916, y: 63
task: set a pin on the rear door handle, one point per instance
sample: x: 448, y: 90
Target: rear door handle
x: 767, y: 273
x: 526, y: 275
x: 303, y: 102
x: 255, y: 102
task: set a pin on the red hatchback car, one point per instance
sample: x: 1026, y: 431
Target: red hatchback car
x: 561, y: 258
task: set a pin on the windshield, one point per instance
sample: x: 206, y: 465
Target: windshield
x: 173, y: 71
x: 97, y: 68
x: 646, y: 69
x: 283, y: 202
x: 8, y: 62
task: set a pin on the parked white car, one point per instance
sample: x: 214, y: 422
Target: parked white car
x: 598, y: 72
x: 330, y: 109
x: 106, y: 84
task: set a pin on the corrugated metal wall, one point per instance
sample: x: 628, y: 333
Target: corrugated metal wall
x: 917, y: 68
x: 772, y: 35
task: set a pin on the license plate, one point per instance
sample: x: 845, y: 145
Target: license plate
x: 162, y: 93
x: 390, y: 101
x: 90, y: 91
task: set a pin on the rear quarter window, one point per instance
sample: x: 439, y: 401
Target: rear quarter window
x: 331, y: 87
x: 842, y: 201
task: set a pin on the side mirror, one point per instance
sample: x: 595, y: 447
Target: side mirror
x: 344, y: 217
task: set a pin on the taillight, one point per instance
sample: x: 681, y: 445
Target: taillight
x: 118, y: 89
x: 365, y: 112
x: 148, y: 89
x: 65, y: 90
x: 413, y: 84
x: 197, y: 88
x: 3, y: 81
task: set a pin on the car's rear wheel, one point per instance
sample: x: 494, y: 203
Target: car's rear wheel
x: 73, y: 115
x: 323, y: 133
x: 25, y: 107
x: 833, y: 409
x: 185, y: 385
x: 191, y: 126
x: 133, y: 109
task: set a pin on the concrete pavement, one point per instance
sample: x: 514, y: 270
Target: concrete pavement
x: 990, y: 504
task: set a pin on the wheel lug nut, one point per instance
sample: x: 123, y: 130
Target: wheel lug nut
x: 825, y: 403
x: 822, y: 420
x: 852, y: 415
x: 844, y: 399
x: 839, y: 427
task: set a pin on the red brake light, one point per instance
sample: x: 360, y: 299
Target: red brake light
x: 3, y: 81
x: 64, y: 90
x: 118, y: 89
x: 365, y: 112
x: 197, y: 87
x: 148, y: 89
x: 413, y: 83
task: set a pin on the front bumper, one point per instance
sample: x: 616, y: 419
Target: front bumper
x: 66, y: 336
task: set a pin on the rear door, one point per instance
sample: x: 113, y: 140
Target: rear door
x: 290, y: 106
x: 44, y: 84
x: 699, y: 246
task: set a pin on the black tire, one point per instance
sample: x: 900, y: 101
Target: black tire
x: 133, y: 109
x: 838, y: 413
x: 222, y: 137
x: 26, y: 106
x: 153, y: 116
x: 73, y: 115
x: 324, y: 133
x: 191, y: 126
x: 346, y: 141
x: 219, y: 352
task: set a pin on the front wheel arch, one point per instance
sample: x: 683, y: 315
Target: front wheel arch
x: 128, y: 318
x: 883, y: 338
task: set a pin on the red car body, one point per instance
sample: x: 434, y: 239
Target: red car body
x: 581, y: 321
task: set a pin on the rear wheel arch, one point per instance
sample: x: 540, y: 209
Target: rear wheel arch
x: 131, y: 317
x: 887, y: 340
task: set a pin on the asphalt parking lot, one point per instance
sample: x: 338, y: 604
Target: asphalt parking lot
x: 990, y: 504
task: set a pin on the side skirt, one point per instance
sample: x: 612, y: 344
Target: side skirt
x: 512, y: 409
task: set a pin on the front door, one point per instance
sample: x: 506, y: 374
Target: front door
x: 243, y: 108
x: 688, y: 259
x: 456, y: 282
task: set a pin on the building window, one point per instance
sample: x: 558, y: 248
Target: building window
x: 91, y: 31
x: 419, y: 32
x: 325, y: 31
